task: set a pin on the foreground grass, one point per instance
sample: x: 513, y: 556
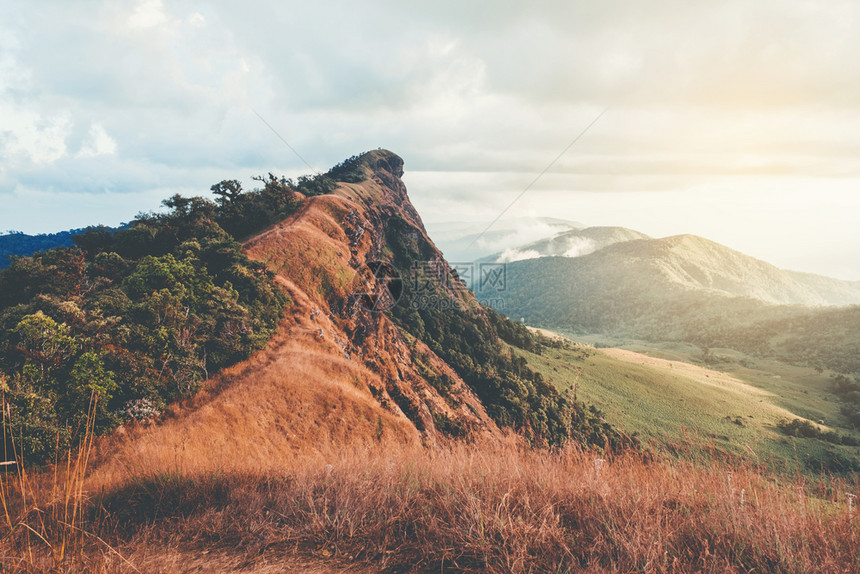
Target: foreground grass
x: 464, y: 508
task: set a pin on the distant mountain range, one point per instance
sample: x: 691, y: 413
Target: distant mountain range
x: 683, y: 288
x: 23, y: 244
x: 671, y: 266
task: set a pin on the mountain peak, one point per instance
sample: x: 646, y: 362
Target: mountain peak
x: 373, y: 180
x: 385, y: 161
x: 339, y: 367
x: 365, y: 165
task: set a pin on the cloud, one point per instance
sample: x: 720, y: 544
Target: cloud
x: 148, y: 14
x: 197, y: 20
x: 29, y: 137
x: 579, y: 246
x: 478, y: 97
x: 98, y: 143
x: 511, y: 255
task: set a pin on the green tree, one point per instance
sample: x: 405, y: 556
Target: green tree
x: 45, y: 345
x: 228, y: 191
x: 89, y: 375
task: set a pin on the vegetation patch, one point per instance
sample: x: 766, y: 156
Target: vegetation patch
x: 471, y: 339
x: 139, y: 316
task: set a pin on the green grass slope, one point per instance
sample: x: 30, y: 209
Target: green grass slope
x: 684, y: 408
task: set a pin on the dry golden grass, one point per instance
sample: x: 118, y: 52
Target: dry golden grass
x: 291, y: 399
x: 45, y: 527
x: 298, y: 396
x: 471, y: 508
x: 311, y: 249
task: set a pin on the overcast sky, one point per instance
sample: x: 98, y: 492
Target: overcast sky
x: 735, y: 120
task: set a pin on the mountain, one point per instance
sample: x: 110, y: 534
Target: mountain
x: 358, y: 358
x: 686, y: 288
x: 695, y: 263
x: 685, y: 263
x: 17, y: 243
x: 833, y: 291
x: 468, y: 242
x: 573, y: 243
x: 338, y: 310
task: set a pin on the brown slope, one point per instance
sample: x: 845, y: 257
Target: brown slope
x: 336, y: 373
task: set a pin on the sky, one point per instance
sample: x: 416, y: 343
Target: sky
x: 738, y: 121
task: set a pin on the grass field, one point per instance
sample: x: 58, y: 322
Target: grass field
x: 731, y: 407
x: 487, y: 507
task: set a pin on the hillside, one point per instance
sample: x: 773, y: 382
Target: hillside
x: 690, y: 263
x: 685, y: 288
x: 729, y: 407
x: 833, y: 291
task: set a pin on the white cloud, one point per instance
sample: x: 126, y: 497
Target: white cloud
x: 511, y: 255
x: 148, y: 14
x: 28, y: 137
x: 27, y: 134
x: 98, y: 143
x: 12, y: 75
x: 197, y: 20
x: 579, y: 246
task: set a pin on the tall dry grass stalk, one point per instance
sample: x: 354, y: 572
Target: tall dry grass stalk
x: 45, y: 524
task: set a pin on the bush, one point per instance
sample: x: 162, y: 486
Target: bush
x: 804, y: 429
